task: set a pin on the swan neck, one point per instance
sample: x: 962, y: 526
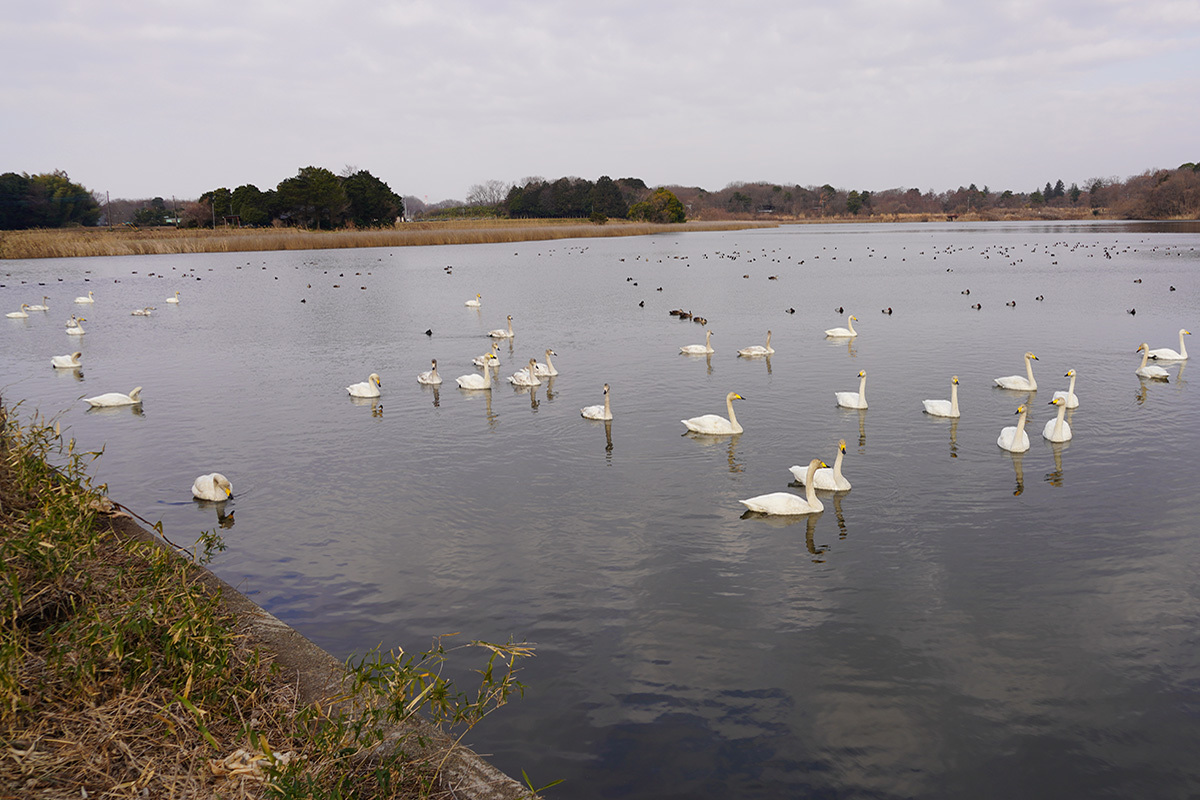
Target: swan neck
x: 1071, y: 387
x: 850, y: 324
x: 1058, y: 423
x: 1182, y: 346
x: 837, y: 464
x: 732, y: 416
x: 1029, y: 373
x: 810, y: 490
x: 862, y: 389
x: 1020, y: 426
x: 954, y: 398
x: 1145, y: 358
x: 607, y: 408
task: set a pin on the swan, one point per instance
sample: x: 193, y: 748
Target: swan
x: 1014, y: 438
x: 1154, y: 373
x: 713, y: 424
x: 699, y: 349
x: 115, y: 399
x: 1058, y: 429
x: 483, y: 381
x: 598, y: 412
x: 1160, y: 353
x: 174, y: 299
x: 74, y: 328
x: 786, y: 503
x: 758, y: 349
x: 66, y: 362
x: 1069, y: 395
x: 854, y: 399
x: 40, y: 306
x: 1016, y: 382
x: 141, y: 312
x: 474, y: 303
x: 546, y: 370
x: 19, y: 313
x: 501, y: 333
x: 430, y: 378
x: 945, y: 408
x: 368, y: 388
x: 479, y: 361
x: 91, y: 298
x: 213, y: 486
x: 844, y: 332
x: 826, y: 478
x: 525, y: 377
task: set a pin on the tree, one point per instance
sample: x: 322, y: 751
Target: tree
x: 47, y: 200
x: 220, y: 205
x: 255, y: 207
x: 313, y: 199
x: 371, y: 202
x: 662, y: 206
x: 854, y: 202
x: 154, y: 213
x: 488, y: 193
x: 607, y: 199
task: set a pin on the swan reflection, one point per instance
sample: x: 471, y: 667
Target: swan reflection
x: 1018, y: 470
x: 810, y: 528
x: 954, y: 438
x: 1055, y: 478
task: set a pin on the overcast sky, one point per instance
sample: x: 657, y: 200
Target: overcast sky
x: 142, y: 98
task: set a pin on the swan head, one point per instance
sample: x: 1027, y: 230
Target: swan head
x: 853, y: 318
x: 734, y: 396
x: 434, y: 361
x: 862, y: 373
x: 954, y: 380
x: 374, y: 378
x: 76, y: 355
x: 510, y: 317
x: 222, y: 483
x: 1058, y: 401
x: 1181, y: 331
x: 842, y: 446
x: 550, y: 352
x: 606, y: 388
x: 1031, y: 356
x: 1069, y: 373
x: 1020, y: 410
x: 1141, y: 347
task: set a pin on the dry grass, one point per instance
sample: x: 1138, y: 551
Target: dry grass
x: 68, y: 243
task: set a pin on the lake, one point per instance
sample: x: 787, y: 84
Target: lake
x: 965, y: 622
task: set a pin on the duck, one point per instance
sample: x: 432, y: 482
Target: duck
x: 699, y: 349
x: 603, y: 412
x: 1068, y: 396
x: 115, y: 399
x: 430, y: 378
x: 74, y: 328
x: 786, y: 503
x: 525, y: 377
x: 479, y: 361
x: 977, y: 306
x: 478, y: 382
x: 474, y: 303
x: 173, y: 299
x: 1058, y: 429
x: 91, y: 298
x: 844, y: 333
x: 1016, y: 382
x: 854, y: 399
x: 368, y: 388
x: 501, y: 333
x: 1153, y: 373
x: 1159, y: 353
x: 213, y: 486
x: 1011, y: 304
x: 944, y: 408
x: 825, y: 478
x: 546, y: 370
x: 716, y: 425
x: 67, y: 362
x: 20, y: 313
x: 758, y: 349
x: 1014, y: 438
x: 40, y: 306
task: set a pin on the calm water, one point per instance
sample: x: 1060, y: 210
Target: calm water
x: 963, y: 623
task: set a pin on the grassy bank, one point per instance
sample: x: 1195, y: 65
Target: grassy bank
x: 124, y: 674
x: 73, y: 242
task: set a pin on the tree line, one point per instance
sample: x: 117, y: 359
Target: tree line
x: 48, y: 200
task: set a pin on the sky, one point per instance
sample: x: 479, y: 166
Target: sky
x: 141, y: 98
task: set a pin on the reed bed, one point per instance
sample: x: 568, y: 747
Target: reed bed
x: 82, y: 242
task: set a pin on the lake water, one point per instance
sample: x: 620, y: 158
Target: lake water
x: 963, y: 623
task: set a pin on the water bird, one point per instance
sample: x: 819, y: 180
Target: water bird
x: 526, y: 376
x: 74, y: 328
x: 1040, y: 297
x: 1018, y: 383
x: 67, y: 362
x: 977, y: 306
x: 1058, y: 429
x: 477, y: 382
x: 368, y: 388
x: 827, y: 478
x: 1131, y: 311
x: 699, y: 349
x: 966, y: 291
x: 603, y: 412
x: 474, y: 303
x: 840, y: 310
x: 430, y: 378
x: 213, y: 486
x: 1167, y: 354
x: 501, y: 333
x: 758, y: 349
x: 944, y: 408
x: 713, y: 424
x: 1011, y: 304
x: 844, y: 333
x: 1143, y: 371
x: 115, y: 399
x: 1068, y: 396
x: 141, y: 312
x: 854, y: 399
x: 20, y: 313
x: 1013, y: 437
x: 887, y: 310
x: 91, y: 298
x: 480, y: 361
x: 173, y: 299
x: 43, y: 307
x: 789, y: 311
x: 429, y: 331
x: 786, y: 503
x: 546, y: 370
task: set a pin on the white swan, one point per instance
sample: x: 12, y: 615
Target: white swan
x: 1016, y: 382
x: 1069, y: 395
x: 501, y: 333
x: 141, y: 312
x: 368, y: 388
x: 699, y: 349
x: 91, y: 298
x: 174, y: 299
x: 598, y: 412
x: 42, y: 305
x: 1153, y: 373
x: 19, y: 313
x: 479, y: 361
x: 483, y: 381
x: 74, y: 328
x: 854, y: 399
x: 213, y: 486
x: 1161, y: 353
x: 66, y: 362
x: 430, y: 378
x: 786, y: 503
x: 716, y: 425
x: 115, y: 399
x: 1058, y: 429
x: 758, y: 349
x: 474, y: 303
x: 844, y: 333
x: 525, y: 377
x: 944, y: 408
x: 1014, y: 438
x: 825, y: 478
x: 546, y: 370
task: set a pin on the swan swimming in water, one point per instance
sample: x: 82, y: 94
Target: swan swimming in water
x: 430, y: 378
x: 479, y: 361
x: 854, y: 399
x: 1159, y: 353
x: 115, y: 399
x: 213, y: 486
x: 598, y: 412
x: 67, y: 362
x: 20, y: 313
x: 141, y: 312
x: 825, y: 478
x: 844, y: 333
x: 1016, y: 382
x: 546, y: 370
x: 1069, y: 395
x: 786, y: 503
x: 74, y: 328
x: 1058, y: 429
x: 758, y: 349
x: 174, y: 299
x: 1014, y: 438
x: 699, y: 349
x: 944, y: 408
x: 716, y: 425
x: 481, y: 382
x: 474, y: 303
x: 501, y: 333
x: 42, y: 305
x: 1153, y: 373
x: 91, y: 298
x: 525, y: 377
x: 368, y: 388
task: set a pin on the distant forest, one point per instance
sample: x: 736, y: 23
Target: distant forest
x: 316, y: 198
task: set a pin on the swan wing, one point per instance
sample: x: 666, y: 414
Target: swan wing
x: 779, y: 503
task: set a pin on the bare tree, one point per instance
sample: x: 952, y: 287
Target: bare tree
x: 489, y: 193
